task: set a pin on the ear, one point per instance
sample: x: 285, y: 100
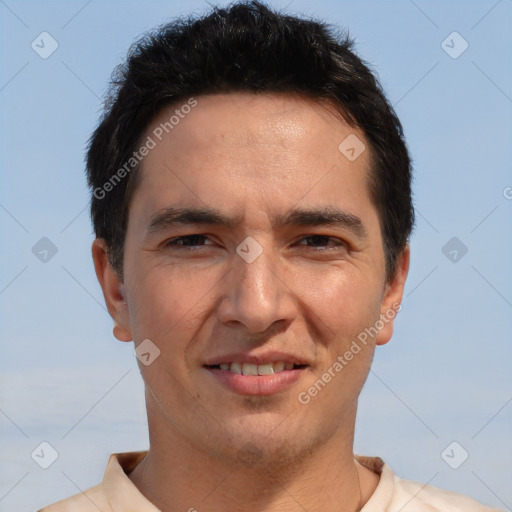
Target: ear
x: 392, y: 301
x: 113, y: 290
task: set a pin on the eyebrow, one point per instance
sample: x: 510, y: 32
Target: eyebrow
x: 325, y: 216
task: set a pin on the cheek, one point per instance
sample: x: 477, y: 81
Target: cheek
x: 167, y: 301
x: 344, y: 299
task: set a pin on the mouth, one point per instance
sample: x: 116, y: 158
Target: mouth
x: 242, y: 368
x: 263, y: 379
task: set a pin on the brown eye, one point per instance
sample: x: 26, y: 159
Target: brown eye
x: 187, y: 241
x: 322, y: 241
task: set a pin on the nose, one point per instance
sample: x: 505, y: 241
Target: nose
x: 257, y: 294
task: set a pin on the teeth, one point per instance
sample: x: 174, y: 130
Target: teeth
x: 256, y: 369
x: 278, y: 367
x: 249, y: 369
x: 236, y: 368
x: 266, y: 369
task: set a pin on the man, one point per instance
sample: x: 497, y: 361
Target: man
x: 252, y: 206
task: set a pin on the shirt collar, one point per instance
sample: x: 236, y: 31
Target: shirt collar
x: 124, y: 496
x: 383, y: 494
x: 121, y: 493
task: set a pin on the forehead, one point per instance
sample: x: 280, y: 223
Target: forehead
x: 266, y: 124
x: 239, y: 149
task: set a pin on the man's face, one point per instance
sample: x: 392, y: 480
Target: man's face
x: 275, y: 286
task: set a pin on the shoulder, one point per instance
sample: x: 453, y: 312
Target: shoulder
x: 414, y: 496
x: 115, y: 491
x: 88, y: 501
x: 394, y: 493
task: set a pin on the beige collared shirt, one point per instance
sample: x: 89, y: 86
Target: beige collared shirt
x: 118, y: 494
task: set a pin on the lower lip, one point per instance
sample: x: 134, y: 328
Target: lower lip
x: 257, y: 384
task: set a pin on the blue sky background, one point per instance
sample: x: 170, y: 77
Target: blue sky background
x: 444, y: 377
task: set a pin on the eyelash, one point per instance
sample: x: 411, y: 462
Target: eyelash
x: 172, y: 242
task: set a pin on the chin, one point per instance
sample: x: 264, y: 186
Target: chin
x: 268, y: 456
x: 270, y: 444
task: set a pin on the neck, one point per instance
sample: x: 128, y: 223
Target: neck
x: 176, y: 476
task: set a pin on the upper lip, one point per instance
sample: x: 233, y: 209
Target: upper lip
x: 263, y: 358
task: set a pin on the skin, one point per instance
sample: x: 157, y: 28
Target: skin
x: 255, y: 157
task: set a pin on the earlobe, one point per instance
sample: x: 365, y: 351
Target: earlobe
x: 392, y: 301
x: 120, y: 333
x: 113, y: 290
